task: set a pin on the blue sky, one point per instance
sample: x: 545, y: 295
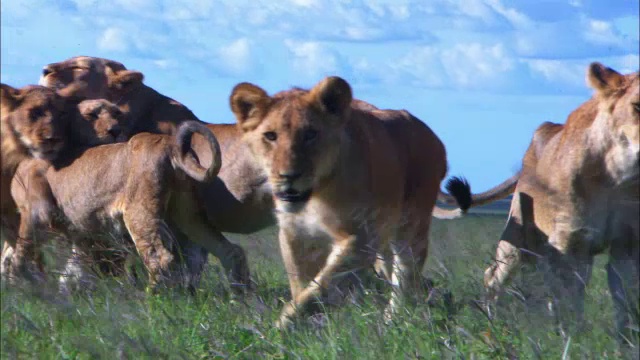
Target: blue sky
x: 482, y: 73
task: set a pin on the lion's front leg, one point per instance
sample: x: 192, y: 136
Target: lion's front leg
x: 341, y: 250
x: 623, y: 275
x: 37, y: 208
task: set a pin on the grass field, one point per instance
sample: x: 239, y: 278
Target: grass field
x: 120, y: 322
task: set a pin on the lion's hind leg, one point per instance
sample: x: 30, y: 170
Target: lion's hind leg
x: 232, y: 256
x: 406, y: 260
x: 151, y: 236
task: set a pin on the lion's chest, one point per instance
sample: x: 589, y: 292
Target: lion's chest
x: 309, y: 237
x: 310, y: 226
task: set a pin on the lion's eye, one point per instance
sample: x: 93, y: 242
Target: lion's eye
x: 636, y: 106
x: 37, y: 113
x: 310, y: 135
x: 270, y: 135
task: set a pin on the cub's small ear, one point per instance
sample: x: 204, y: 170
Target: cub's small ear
x: 332, y: 95
x: 10, y: 97
x: 249, y: 104
x: 124, y: 79
x: 604, y: 79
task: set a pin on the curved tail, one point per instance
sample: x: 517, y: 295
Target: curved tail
x: 496, y: 193
x: 187, y: 160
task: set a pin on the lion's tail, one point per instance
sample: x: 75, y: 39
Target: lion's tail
x: 461, y: 193
x: 187, y: 160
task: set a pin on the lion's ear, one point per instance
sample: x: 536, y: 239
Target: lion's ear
x: 124, y: 79
x: 604, y: 79
x: 332, y: 95
x: 10, y: 97
x: 249, y: 104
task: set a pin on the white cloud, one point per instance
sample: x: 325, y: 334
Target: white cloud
x: 236, y: 56
x: 138, y: 6
x: 421, y: 65
x: 602, y: 33
x: 312, y: 60
x: 113, y: 39
x: 163, y: 63
x: 472, y: 65
x: 627, y: 64
x: 306, y: 3
x: 515, y: 17
x: 559, y: 72
x: 575, y: 3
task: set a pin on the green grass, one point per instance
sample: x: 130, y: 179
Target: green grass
x: 119, y: 321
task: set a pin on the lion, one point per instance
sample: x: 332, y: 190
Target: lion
x: 143, y: 189
x: 353, y: 186
x: 577, y: 197
x: 240, y: 199
x: 87, y: 123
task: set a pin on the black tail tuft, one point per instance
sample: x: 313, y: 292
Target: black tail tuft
x: 460, y: 189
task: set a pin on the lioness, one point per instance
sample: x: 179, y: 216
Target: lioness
x: 578, y: 196
x: 37, y: 122
x: 142, y: 188
x: 351, y: 184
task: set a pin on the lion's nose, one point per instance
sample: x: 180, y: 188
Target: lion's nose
x: 46, y: 71
x: 291, y: 175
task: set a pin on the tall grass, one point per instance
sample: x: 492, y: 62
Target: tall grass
x: 119, y: 321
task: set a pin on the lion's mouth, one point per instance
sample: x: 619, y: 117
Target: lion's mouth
x: 49, y: 154
x: 293, y: 196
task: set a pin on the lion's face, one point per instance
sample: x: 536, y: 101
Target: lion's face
x: 619, y: 111
x: 105, y: 122
x: 88, y: 77
x: 296, y: 135
x: 38, y: 119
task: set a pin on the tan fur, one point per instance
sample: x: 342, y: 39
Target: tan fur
x: 75, y: 125
x: 578, y: 196
x: 143, y: 188
x: 351, y: 184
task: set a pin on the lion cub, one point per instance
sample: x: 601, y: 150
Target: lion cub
x: 144, y: 189
x: 88, y: 123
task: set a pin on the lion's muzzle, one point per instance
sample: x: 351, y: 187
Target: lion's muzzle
x: 292, y: 196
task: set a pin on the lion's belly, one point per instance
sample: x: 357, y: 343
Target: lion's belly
x: 88, y: 208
